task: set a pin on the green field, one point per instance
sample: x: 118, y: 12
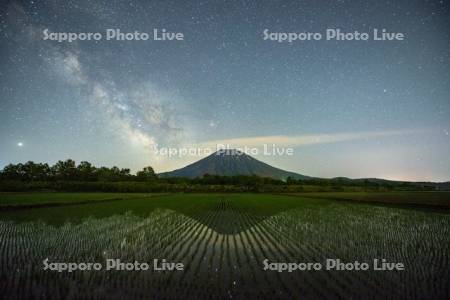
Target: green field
x: 13, y: 200
x: 222, y: 239
x: 424, y: 199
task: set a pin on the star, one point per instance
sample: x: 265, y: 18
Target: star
x: 212, y: 124
x: 20, y: 144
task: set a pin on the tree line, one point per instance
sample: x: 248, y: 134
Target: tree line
x: 84, y: 176
x: 68, y: 170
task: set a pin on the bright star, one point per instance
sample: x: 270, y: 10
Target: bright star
x: 20, y: 144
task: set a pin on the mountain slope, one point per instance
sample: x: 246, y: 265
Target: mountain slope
x: 231, y: 162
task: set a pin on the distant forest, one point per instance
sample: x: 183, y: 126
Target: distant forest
x: 68, y: 171
x: 68, y: 176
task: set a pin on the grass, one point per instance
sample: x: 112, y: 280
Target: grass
x: 43, y: 199
x: 222, y: 239
x: 432, y: 199
x: 139, y: 204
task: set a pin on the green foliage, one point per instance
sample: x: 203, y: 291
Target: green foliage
x: 65, y: 171
x: 29, y: 171
x: 222, y: 239
x: 147, y: 174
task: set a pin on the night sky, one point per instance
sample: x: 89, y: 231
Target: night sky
x: 348, y: 108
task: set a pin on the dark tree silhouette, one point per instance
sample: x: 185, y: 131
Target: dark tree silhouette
x: 146, y: 174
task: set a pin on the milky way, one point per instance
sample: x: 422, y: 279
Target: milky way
x: 349, y: 108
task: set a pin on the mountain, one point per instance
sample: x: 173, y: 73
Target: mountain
x: 231, y: 162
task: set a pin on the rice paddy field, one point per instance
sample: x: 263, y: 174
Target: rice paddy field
x: 222, y: 241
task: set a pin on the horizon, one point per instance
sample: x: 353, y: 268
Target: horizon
x: 239, y: 153
x: 353, y: 108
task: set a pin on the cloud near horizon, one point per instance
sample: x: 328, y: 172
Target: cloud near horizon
x: 307, y: 139
x: 176, y: 157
